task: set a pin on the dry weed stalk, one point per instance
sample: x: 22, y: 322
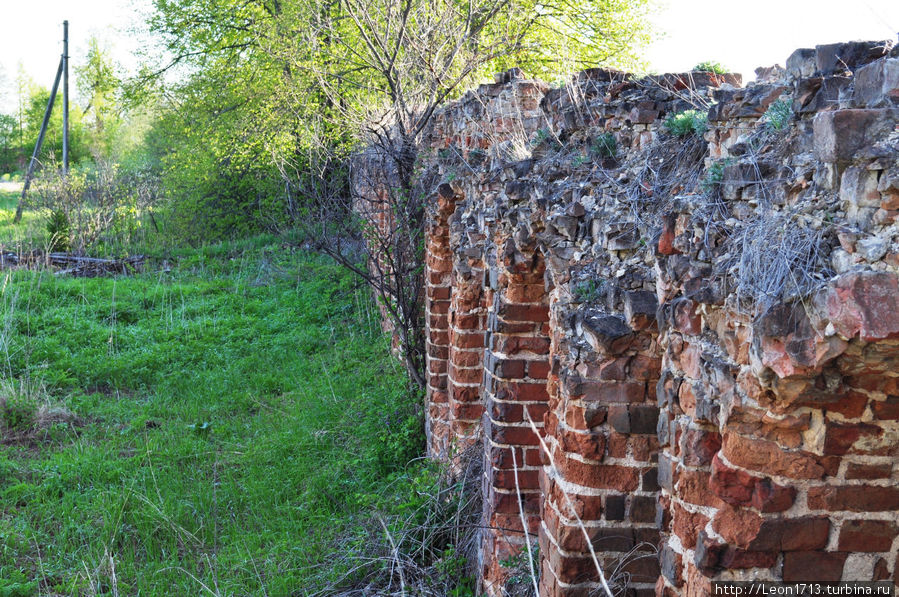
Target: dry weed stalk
x: 427, y: 552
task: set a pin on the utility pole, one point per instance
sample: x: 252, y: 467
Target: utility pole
x: 65, y: 97
x: 61, y: 73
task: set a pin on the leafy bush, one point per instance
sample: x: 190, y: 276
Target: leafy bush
x: 714, y: 175
x: 605, y: 145
x: 710, y: 66
x: 58, y: 230
x: 778, y: 114
x: 587, y: 291
x: 90, y: 202
x: 687, y: 122
x: 18, y: 413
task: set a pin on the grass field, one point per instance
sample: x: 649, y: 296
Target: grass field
x: 29, y: 232
x: 207, y: 427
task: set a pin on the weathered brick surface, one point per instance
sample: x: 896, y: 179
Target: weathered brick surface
x: 622, y: 336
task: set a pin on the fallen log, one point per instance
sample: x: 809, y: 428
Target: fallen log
x: 73, y: 265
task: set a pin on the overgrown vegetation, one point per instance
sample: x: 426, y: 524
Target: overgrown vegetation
x: 686, y: 123
x: 605, y: 145
x: 179, y: 431
x: 711, y: 66
x: 778, y: 114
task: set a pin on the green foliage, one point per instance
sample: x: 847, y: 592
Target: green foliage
x: 778, y: 114
x: 545, y: 136
x: 14, y: 584
x: 98, y: 85
x: 568, y: 37
x: 686, y: 123
x: 710, y: 66
x: 605, y: 145
x: 590, y: 290
x: 17, y: 412
x: 58, y: 230
x: 520, y: 569
x: 714, y: 175
x: 301, y: 449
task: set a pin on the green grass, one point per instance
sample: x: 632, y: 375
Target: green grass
x: 234, y: 415
x: 28, y: 233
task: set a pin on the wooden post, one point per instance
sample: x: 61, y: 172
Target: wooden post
x: 65, y: 97
x: 40, y: 141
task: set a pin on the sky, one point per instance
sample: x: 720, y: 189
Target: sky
x: 741, y: 35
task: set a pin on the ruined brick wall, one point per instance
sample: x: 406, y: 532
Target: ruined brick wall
x: 679, y: 356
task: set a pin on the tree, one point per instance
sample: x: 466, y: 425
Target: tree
x: 328, y: 78
x: 98, y: 85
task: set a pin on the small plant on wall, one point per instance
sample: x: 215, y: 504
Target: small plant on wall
x: 605, y: 145
x: 710, y: 66
x: 687, y: 122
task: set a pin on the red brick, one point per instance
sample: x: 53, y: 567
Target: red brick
x: 467, y: 321
x: 694, y: 486
x: 507, y: 368
x: 512, y: 345
x: 505, y: 479
x: 440, y: 338
x: 644, y: 368
x: 438, y: 307
x: 737, y: 526
x: 468, y: 375
x: 792, y: 534
x: 525, y: 293
x: 579, y: 417
x: 867, y: 535
x: 855, y: 498
x: 609, y: 369
x: 687, y: 525
x: 519, y: 312
x: 839, y: 437
x: 851, y: 404
x: 465, y: 393
x: 811, y: 566
x: 698, y: 446
x: 513, y: 436
x: 439, y: 292
x: 538, y: 369
x: 617, y: 445
x: 643, y: 447
x: 467, y: 358
x: 520, y: 391
x: 881, y: 570
x: 855, y: 470
x: 641, y: 568
x: 588, y: 445
x: 886, y: 409
x: 468, y: 340
x: 739, y: 488
x: 600, y: 476
x: 466, y: 411
x: 768, y: 457
x: 615, y: 392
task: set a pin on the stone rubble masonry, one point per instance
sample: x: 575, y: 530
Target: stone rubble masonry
x: 595, y: 325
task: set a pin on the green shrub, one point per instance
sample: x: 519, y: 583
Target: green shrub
x: 58, y: 230
x: 18, y: 412
x: 710, y: 66
x: 605, y: 145
x: 687, y: 122
x: 714, y: 174
x: 588, y: 291
x: 778, y: 114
